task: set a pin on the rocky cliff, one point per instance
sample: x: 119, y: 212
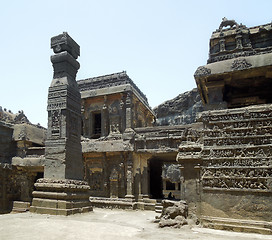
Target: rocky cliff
x: 182, y: 109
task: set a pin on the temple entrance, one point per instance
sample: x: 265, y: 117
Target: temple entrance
x: 155, y: 179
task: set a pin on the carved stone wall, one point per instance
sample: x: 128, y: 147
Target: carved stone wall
x: 118, y: 112
x: 158, y: 139
x: 16, y: 184
x: 237, y: 161
x: 106, y: 174
x: 7, y: 145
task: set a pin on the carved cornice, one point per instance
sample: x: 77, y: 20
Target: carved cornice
x: 107, y: 81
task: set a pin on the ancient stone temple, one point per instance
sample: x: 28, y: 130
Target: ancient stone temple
x: 215, y: 155
x: 113, y: 106
x: 62, y: 191
x: 128, y: 160
x: 236, y: 172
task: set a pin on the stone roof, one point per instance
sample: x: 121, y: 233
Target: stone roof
x: 8, y: 116
x: 29, y: 133
x: 107, y: 81
x: 23, y: 129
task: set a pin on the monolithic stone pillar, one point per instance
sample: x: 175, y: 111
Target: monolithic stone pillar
x: 62, y: 191
x: 62, y: 147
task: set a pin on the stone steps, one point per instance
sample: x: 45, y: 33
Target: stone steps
x: 20, y: 207
x: 150, y: 200
x: 158, y: 207
x: 237, y: 225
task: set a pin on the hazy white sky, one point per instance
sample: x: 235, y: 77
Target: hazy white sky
x: 160, y: 43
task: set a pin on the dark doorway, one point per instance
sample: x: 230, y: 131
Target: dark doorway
x: 97, y: 125
x: 39, y: 175
x: 155, y: 172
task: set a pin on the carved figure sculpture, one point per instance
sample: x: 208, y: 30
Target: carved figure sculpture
x: 225, y: 22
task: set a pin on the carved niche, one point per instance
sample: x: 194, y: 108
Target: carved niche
x: 115, y: 118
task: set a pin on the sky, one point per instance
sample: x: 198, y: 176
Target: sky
x: 159, y: 43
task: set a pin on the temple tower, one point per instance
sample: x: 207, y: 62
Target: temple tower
x: 62, y: 191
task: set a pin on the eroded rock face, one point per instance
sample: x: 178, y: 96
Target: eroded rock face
x: 174, y: 214
x: 182, y: 109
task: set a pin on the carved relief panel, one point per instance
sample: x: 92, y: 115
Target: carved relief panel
x: 237, y: 154
x: 55, y: 122
x: 115, y: 117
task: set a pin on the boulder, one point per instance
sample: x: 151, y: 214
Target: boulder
x: 174, y: 214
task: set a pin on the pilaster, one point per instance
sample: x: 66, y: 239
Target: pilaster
x: 129, y: 176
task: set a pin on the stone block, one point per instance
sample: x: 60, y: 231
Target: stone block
x: 19, y: 206
x: 45, y: 203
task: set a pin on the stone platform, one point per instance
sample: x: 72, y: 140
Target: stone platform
x: 103, y: 202
x: 123, y: 203
x: 61, y: 197
x: 237, y: 225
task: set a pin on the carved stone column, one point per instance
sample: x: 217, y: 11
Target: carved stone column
x: 63, y: 148
x: 144, y: 176
x: 122, y: 113
x: 104, y: 119
x: 62, y: 191
x: 130, y: 194
x: 182, y: 182
x: 128, y: 112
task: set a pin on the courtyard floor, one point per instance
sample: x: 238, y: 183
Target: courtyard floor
x: 104, y: 224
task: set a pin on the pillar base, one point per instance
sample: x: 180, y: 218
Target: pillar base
x: 142, y: 197
x: 130, y: 197
x: 61, y: 197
